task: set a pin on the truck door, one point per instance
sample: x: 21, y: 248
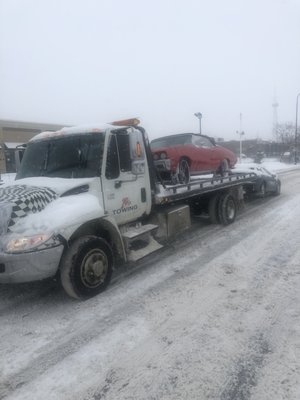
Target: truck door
x: 125, y: 177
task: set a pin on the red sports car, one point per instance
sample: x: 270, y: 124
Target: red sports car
x: 177, y: 157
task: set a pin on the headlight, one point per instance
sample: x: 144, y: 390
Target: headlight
x: 155, y: 156
x: 163, y: 156
x: 30, y: 243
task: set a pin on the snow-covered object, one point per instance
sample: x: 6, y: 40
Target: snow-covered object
x: 74, y: 131
x: 252, y: 168
x: 24, y: 200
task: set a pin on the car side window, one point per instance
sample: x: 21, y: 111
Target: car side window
x: 202, y: 141
x: 207, y: 142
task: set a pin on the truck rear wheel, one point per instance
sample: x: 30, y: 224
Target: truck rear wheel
x: 227, y: 209
x: 86, y: 267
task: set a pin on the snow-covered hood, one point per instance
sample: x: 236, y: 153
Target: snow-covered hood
x: 30, y: 196
x: 58, y: 185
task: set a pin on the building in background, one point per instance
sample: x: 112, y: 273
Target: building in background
x: 15, y: 133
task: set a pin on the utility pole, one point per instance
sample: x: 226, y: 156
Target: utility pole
x: 241, y: 133
x: 275, y: 118
x: 2, y: 153
x: 295, y: 159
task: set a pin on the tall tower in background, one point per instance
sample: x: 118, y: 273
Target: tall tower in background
x: 275, y: 118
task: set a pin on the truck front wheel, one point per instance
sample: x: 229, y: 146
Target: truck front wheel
x: 86, y: 267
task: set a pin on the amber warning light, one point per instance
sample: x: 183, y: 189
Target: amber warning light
x: 126, y: 122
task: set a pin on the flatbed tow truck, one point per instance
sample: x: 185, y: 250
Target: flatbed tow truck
x: 85, y: 198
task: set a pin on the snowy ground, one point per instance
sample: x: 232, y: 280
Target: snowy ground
x: 214, y: 316
x: 272, y: 164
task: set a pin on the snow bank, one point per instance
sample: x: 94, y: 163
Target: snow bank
x: 271, y: 164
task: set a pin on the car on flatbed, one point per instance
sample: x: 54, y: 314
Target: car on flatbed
x: 266, y: 182
x: 178, y: 157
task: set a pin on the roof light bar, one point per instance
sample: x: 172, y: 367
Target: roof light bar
x: 126, y: 122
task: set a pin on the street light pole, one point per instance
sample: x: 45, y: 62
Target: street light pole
x: 199, y: 116
x: 295, y: 160
x: 241, y: 133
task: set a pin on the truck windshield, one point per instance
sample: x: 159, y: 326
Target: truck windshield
x: 74, y: 156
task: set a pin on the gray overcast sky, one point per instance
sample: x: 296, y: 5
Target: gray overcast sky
x: 86, y: 61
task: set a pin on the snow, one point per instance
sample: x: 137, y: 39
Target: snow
x: 216, y: 315
x: 7, y: 179
x: 59, y: 185
x: 271, y: 164
x: 13, y: 145
x: 75, y: 130
x: 60, y: 216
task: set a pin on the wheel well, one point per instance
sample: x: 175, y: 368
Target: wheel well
x: 91, y: 228
x: 186, y: 159
x: 104, y: 229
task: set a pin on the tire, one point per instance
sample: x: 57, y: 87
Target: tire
x: 213, y: 209
x: 227, y: 209
x: 86, y: 267
x: 262, y: 190
x: 224, y: 169
x: 183, y: 174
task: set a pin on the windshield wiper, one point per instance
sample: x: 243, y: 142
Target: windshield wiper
x: 45, y: 161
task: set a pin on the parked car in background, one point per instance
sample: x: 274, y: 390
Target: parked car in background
x: 178, y: 157
x: 265, y: 183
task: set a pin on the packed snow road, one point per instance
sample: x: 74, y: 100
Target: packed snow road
x: 215, y: 316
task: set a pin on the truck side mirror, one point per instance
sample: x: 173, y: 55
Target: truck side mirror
x: 18, y: 157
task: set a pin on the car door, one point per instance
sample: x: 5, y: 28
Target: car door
x: 203, y: 154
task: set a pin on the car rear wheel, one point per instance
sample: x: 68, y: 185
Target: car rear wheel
x: 183, y: 174
x: 262, y: 190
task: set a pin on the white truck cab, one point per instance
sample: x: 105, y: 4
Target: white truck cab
x: 75, y: 190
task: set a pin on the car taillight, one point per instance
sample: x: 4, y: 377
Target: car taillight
x: 163, y: 156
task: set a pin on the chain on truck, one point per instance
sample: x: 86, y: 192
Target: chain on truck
x: 85, y: 198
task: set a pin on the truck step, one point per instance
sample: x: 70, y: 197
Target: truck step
x: 139, y: 242
x: 137, y: 232
x: 152, y: 245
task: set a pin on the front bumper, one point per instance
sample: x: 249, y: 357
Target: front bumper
x: 163, y: 165
x: 28, y: 267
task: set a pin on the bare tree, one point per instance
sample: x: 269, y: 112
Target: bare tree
x: 285, y: 133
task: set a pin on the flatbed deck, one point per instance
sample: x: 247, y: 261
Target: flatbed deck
x: 200, y: 186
